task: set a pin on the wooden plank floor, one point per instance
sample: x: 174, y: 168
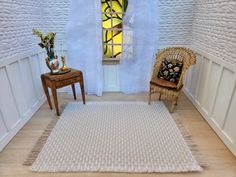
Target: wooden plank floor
x: 221, y: 163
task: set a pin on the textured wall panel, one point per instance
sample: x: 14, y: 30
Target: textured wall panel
x: 176, y: 22
x: 214, y: 28
x: 17, y: 18
x: 55, y: 17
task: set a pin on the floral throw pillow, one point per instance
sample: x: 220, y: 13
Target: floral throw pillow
x: 170, y: 70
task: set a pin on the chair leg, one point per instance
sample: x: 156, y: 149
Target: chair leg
x: 173, y: 104
x: 150, y: 95
x: 159, y: 96
x: 176, y: 101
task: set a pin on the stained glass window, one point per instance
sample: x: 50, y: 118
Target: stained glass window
x: 113, y: 12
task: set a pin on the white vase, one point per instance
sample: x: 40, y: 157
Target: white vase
x: 54, y: 65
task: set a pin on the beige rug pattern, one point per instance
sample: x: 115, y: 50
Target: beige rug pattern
x: 116, y: 137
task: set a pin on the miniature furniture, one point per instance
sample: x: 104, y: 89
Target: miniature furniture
x: 168, y: 85
x: 58, y: 81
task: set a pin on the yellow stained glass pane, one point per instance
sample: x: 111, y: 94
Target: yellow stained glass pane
x: 108, y: 51
x: 119, y: 16
x: 107, y: 36
x: 117, y: 20
x: 106, y: 6
x: 117, y: 51
x: 117, y: 6
x: 106, y: 17
x: 117, y: 39
x: 106, y: 23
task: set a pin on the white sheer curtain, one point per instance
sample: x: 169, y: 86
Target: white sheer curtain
x: 84, y: 42
x: 141, y: 34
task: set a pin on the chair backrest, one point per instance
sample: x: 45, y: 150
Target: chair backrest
x: 185, y: 55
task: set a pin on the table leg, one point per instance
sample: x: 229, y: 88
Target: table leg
x: 45, y: 88
x: 73, y: 89
x: 82, y: 88
x: 54, y: 94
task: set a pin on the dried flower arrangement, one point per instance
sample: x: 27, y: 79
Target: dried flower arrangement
x: 47, y: 42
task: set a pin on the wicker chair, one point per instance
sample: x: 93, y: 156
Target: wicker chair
x: 170, y: 89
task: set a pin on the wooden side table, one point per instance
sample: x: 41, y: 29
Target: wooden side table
x: 58, y: 81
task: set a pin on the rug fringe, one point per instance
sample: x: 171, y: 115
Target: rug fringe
x: 40, y: 143
x: 192, y: 145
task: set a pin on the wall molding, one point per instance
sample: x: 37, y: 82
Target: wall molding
x: 14, y: 58
x: 21, y: 92
x: 215, y: 96
x: 215, y: 59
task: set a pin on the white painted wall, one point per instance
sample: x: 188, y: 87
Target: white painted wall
x: 22, y: 61
x: 214, y: 28
x: 176, y: 18
x: 210, y: 84
x: 54, y: 18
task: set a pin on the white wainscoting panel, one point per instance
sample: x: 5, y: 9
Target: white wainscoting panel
x: 223, y: 97
x: 202, y: 79
x: 28, y: 86
x: 21, y: 93
x: 3, y: 128
x: 36, y: 72
x: 16, y: 83
x: 7, y: 101
x: 195, y: 77
x: 111, y: 78
x: 211, y: 86
x: 43, y: 66
x: 230, y: 124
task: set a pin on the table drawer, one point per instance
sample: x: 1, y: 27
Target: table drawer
x: 67, y: 82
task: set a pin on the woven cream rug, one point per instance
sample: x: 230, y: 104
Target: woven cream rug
x: 115, y: 137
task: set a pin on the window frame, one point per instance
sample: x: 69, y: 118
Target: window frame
x: 111, y: 13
